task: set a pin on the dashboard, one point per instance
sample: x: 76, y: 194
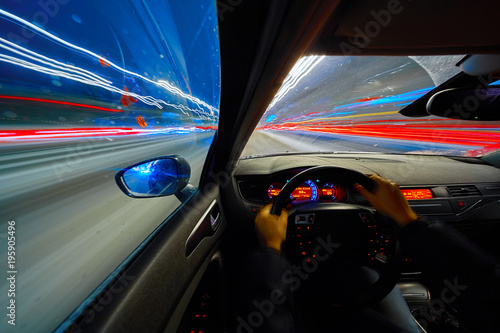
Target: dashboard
x: 322, y: 190
x: 451, y: 189
x: 311, y: 190
x: 462, y: 193
x: 264, y: 189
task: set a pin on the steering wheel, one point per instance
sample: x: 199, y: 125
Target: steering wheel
x: 335, y: 246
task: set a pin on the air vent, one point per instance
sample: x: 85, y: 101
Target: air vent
x: 253, y: 192
x: 463, y: 191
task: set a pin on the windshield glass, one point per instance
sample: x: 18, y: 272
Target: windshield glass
x: 88, y: 88
x: 351, y: 104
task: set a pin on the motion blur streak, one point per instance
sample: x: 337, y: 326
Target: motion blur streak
x: 330, y: 119
x: 362, y: 102
x: 444, y: 132
x: 59, y: 102
x: 147, y: 100
x: 49, y: 61
x: 300, y: 70
x: 75, y: 77
x: 15, y: 135
x: 373, y: 101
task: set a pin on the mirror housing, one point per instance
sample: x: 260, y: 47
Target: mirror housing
x: 158, y: 177
x: 480, y: 64
x: 466, y: 103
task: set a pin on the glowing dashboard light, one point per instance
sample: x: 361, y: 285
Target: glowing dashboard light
x: 274, y: 190
x: 416, y: 194
x: 306, y: 191
x: 302, y: 193
x: 329, y: 190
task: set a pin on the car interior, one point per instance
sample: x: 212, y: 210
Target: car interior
x: 186, y: 274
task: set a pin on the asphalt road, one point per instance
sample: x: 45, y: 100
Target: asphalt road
x: 272, y: 142
x: 73, y: 224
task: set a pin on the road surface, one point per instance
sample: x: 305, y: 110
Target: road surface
x: 73, y: 224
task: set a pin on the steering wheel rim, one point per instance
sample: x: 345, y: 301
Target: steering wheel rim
x: 348, y: 175
x: 390, y: 274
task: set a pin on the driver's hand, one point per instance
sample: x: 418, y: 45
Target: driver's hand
x: 389, y: 200
x: 271, y: 229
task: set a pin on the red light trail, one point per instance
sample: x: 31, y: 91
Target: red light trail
x: 64, y: 133
x: 486, y: 136
x: 31, y: 99
x: 13, y: 135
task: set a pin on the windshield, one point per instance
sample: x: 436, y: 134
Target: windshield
x: 351, y: 104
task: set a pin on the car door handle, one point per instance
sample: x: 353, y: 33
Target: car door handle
x: 206, y: 227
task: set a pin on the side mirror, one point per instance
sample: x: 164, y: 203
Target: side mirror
x: 466, y: 103
x: 161, y: 176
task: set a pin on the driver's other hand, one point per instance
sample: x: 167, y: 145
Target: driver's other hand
x: 271, y: 229
x: 389, y: 200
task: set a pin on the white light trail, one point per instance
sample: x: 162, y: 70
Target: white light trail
x: 14, y: 48
x: 299, y: 70
x: 78, y: 74
x: 159, y: 83
x: 75, y: 77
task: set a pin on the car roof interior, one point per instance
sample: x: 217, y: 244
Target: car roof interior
x: 261, y: 41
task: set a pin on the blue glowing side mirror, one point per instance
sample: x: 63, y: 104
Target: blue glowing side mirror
x: 161, y: 176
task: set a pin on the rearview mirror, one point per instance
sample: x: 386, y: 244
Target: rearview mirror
x: 162, y: 176
x: 466, y: 103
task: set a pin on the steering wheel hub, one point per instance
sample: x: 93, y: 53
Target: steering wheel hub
x: 342, y: 254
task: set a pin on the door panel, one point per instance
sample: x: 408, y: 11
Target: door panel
x: 203, y: 312
x: 145, y: 295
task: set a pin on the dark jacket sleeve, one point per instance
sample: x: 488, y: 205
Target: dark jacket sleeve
x: 460, y: 275
x: 266, y: 300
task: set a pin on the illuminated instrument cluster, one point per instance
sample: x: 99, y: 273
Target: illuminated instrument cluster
x: 312, y: 190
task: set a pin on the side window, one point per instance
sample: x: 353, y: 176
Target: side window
x: 87, y: 88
